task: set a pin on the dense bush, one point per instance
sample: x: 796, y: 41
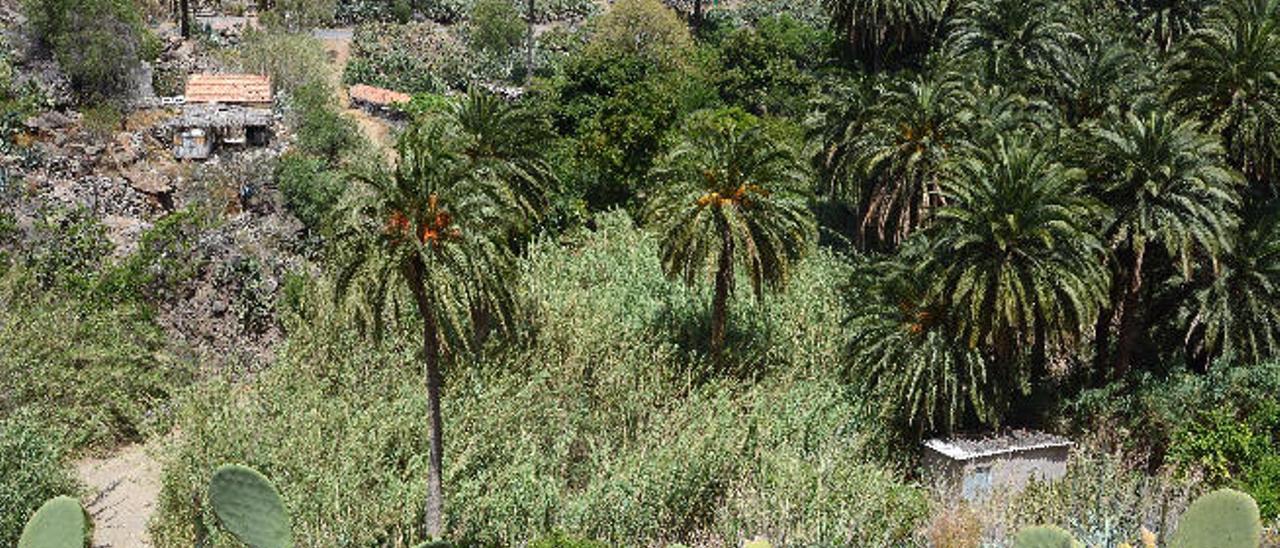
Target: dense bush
x: 598, y: 426
x: 1224, y: 425
x: 98, y: 43
x: 96, y: 373
x: 310, y: 189
x: 770, y: 68
x: 31, y: 471
x: 293, y: 61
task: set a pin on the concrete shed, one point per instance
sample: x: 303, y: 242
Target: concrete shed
x: 977, y: 467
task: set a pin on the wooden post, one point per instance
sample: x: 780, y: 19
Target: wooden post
x: 184, y: 18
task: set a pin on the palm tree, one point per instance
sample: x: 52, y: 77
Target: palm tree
x: 1228, y: 74
x: 432, y: 231
x: 904, y: 356
x: 876, y: 29
x: 1237, y: 313
x: 1163, y: 22
x: 732, y: 200
x: 1018, y: 41
x: 903, y: 149
x: 1014, y: 259
x: 1167, y: 186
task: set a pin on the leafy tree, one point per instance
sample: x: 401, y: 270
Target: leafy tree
x: 1166, y: 186
x: 642, y: 28
x: 98, y: 43
x: 1228, y: 75
x: 878, y: 30
x: 732, y: 201
x: 768, y: 68
x: 431, y: 230
x: 1014, y: 259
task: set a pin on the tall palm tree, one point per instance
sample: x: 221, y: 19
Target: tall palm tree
x: 1237, y: 313
x: 1163, y: 22
x: 875, y: 30
x: 1166, y: 185
x: 732, y: 200
x: 1018, y: 41
x: 1228, y: 74
x: 430, y: 236
x: 902, y: 150
x: 904, y: 356
x: 1014, y: 259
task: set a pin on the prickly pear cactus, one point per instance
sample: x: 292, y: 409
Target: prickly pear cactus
x: 1044, y: 536
x: 249, y: 507
x: 1225, y: 518
x: 59, y: 523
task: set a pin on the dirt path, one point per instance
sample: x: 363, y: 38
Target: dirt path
x: 123, y: 489
x: 337, y: 43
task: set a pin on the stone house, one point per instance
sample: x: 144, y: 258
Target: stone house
x: 222, y: 110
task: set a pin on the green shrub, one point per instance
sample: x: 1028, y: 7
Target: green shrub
x: 597, y: 426
x: 94, y: 372
x: 293, y: 61
x: 67, y: 250
x: 310, y: 190
x: 168, y: 259
x: 323, y: 131
x: 1225, y: 424
x: 32, y: 470
x: 495, y: 27
x: 98, y: 43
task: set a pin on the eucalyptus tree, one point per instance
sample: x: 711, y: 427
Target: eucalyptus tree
x: 877, y: 30
x: 1237, y: 312
x: 1228, y: 75
x: 1014, y: 259
x: 430, y: 236
x: 733, y: 198
x: 1167, y: 186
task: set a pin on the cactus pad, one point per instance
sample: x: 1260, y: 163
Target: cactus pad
x: 1222, y: 519
x: 1044, y: 536
x: 59, y: 523
x: 249, y: 507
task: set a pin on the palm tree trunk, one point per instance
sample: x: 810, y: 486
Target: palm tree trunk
x: 435, y: 469
x: 184, y: 18
x: 720, y: 303
x: 435, y: 381
x: 1130, y: 320
x: 697, y: 14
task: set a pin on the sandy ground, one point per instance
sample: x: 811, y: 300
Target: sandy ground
x: 122, y: 495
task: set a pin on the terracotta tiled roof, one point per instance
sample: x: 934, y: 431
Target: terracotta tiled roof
x: 377, y: 96
x: 228, y: 88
